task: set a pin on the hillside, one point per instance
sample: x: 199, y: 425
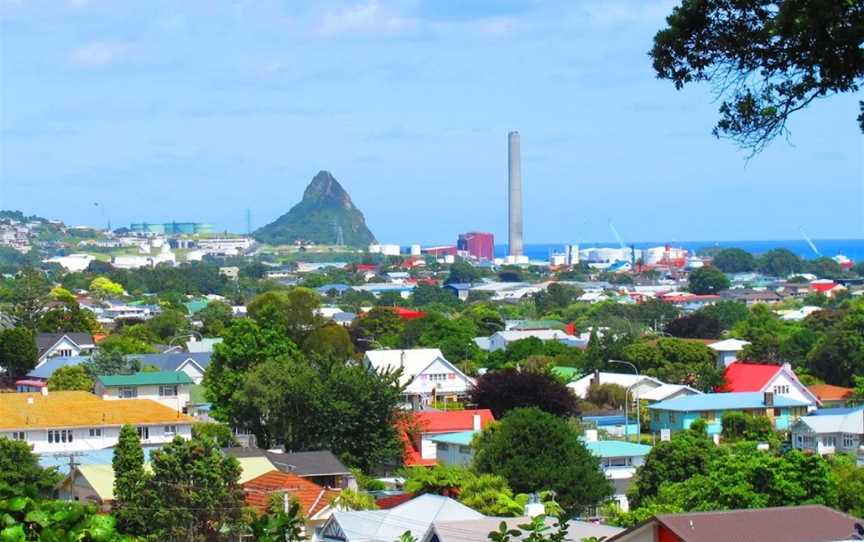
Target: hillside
x: 325, y: 214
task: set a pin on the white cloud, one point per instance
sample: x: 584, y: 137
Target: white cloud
x: 98, y: 54
x: 369, y: 17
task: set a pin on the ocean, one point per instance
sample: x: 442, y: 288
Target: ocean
x: 852, y: 248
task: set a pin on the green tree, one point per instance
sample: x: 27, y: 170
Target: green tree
x: 462, y: 272
x: 18, y: 352
x: 728, y: 313
x: 71, y: 378
x: 675, y: 361
x: 779, y: 262
x: 124, y: 344
x: 215, y: 317
x: 557, y: 296
x: 486, y: 319
x: 535, y: 451
x: 279, y: 524
x: 349, y: 499
x: 380, y: 327
x: 767, y: 60
x: 130, y: 481
x: 707, y: 280
x: 103, y: 363
x: 68, y: 317
x: 29, y: 294
x: 219, y: 433
x: 168, y: 324
x: 742, y: 426
x: 20, y: 472
x: 824, y: 268
x: 839, y: 356
x: 850, y: 484
x: 454, y: 336
x: 444, y: 480
x: 765, y: 332
x: 194, y: 492
x: 330, y: 343
x: 292, y: 312
x: 694, y: 326
x: 104, y: 288
x: 734, y: 260
x: 63, y: 521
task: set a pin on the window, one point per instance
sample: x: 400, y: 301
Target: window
x: 143, y: 433
x: 708, y: 415
x: 95, y: 431
x: 19, y: 435
x: 442, y: 447
x: 170, y: 430
x: 672, y: 418
x: 438, y: 377
x: 63, y: 352
x: 655, y: 416
x: 781, y: 390
x: 58, y: 436
x: 128, y: 392
x: 168, y: 391
x: 464, y: 450
x: 829, y: 441
x: 849, y: 441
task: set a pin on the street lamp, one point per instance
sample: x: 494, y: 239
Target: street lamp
x: 638, y: 415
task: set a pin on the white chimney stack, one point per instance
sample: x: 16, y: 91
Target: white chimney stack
x: 478, y: 422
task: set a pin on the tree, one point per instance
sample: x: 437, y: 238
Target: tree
x: 28, y: 519
x: 20, y: 472
x: 675, y: 361
x: 18, y: 351
x: 219, y: 433
x: 688, y: 454
x: 839, y: 356
x: 168, y: 324
x: 742, y: 426
x: 728, y: 313
x: 504, y: 390
x: 70, y: 378
x: 29, y: 294
x: 707, y: 280
x: 292, y: 312
x: 444, y: 480
x: 104, y: 288
x: 534, y: 450
x: 349, y: 499
x: 694, y: 326
x: 462, y: 272
x: 329, y: 343
x: 766, y: 60
x: 607, y: 395
x: 824, y: 268
x: 130, y: 480
x: 194, y: 491
x: 69, y: 317
x: 765, y: 332
x: 734, y: 260
x: 125, y: 344
x: 850, y: 484
x: 779, y: 262
x: 215, y: 317
x: 103, y: 363
x: 485, y: 318
x: 380, y: 327
x: 279, y: 524
x: 454, y: 336
x: 556, y: 296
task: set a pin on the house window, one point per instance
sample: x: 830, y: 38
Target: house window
x: 829, y: 441
x: 672, y: 418
x: 616, y: 462
x: 128, y: 392
x: 95, y: 431
x: 655, y: 416
x: 442, y: 447
x: 438, y: 377
x: 464, y: 450
x: 849, y: 441
x: 19, y: 435
x: 168, y: 391
x: 708, y: 415
x: 781, y: 390
x: 170, y: 430
x: 143, y: 433
x: 57, y: 436
x: 63, y: 352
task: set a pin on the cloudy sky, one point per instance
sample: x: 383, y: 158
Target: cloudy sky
x: 198, y: 110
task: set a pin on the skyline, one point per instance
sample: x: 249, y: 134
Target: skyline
x: 198, y: 112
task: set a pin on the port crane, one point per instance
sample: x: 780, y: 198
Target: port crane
x: 810, y: 242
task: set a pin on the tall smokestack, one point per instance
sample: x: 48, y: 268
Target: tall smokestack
x: 514, y: 155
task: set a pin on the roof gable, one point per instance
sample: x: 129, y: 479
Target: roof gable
x: 748, y: 377
x: 312, y: 497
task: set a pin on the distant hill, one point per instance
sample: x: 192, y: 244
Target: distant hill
x: 326, y: 215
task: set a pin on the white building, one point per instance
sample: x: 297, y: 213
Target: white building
x: 639, y: 385
x: 168, y: 388
x: 501, y: 339
x: 831, y: 430
x: 426, y: 374
x: 619, y: 460
x: 51, y: 345
x: 727, y: 351
x: 74, y: 421
x: 73, y: 262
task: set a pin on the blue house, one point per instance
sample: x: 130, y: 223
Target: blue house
x: 677, y: 414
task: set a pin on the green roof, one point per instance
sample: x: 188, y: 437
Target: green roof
x: 568, y: 373
x: 196, y: 305
x: 617, y: 448
x: 462, y: 438
x: 145, y: 379
x: 539, y: 324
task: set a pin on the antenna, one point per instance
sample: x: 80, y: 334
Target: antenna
x: 809, y: 242
x: 248, y: 221
x: 337, y: 228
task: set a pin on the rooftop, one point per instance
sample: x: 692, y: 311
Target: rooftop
x: 61, y: 409
x: 617, y: 448
x: 462, y: 438
x: 743, y: 376
x: 724, y: 401
x: 312, y: 497
x: 827, y: 392
x: 145, y: 379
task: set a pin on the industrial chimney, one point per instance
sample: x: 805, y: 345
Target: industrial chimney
x: 514, y: 168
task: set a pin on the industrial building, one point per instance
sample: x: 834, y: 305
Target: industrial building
x: 477, y: 245
x: 514, y: 170
x: 172, y: 228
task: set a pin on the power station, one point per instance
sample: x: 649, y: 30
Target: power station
x: 514, y: 167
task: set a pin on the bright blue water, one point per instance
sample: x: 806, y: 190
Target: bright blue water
x: 852, y: 248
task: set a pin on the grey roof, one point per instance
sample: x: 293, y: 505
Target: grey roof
x: 851, y: 422
x: 44, y: 341
x: 47, y: 368
x: 165, y: 362
x: 477, y: 530
x: 319, y: 463
x: 415, y: 516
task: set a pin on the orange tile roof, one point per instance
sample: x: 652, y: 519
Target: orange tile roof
x: 60, y: 409
x: 312, y: 497
x: 827, y: 392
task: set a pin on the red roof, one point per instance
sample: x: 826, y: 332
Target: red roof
x: 742, y: 376
x: 686, y: 298
x: 439, y: 421
x: 827, y: 392
x: 822, y: 287
x: 393, y: 501
x: 367, y: 267
x: 408, y: 314
x: 312, y: 497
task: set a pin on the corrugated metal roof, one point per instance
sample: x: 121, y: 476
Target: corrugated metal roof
x: 617, y: 448
x: 723, y: 401
x: 462, y: 438
x: 145, y: 379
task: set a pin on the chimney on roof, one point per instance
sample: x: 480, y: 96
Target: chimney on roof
x: 478, y: 422
x: 768, y: 399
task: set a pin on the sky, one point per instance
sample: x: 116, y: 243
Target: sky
x: 199, y: 110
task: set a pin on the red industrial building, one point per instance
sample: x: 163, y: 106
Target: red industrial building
x: 478, y: 244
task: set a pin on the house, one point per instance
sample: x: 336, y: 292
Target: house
x: 688, y: 302
x: 831, y: 430
x: 94, y: 483
x: 427, y: 376
x: 727, y: 351
x: 500, y: 340
x: 750, y: 297
x: 454, y: 448
x: 320, y: 467
x: 72, y: 421
x: 414, y: 516
x: 742, y: 376
x: 50, y: 345
x: 418, y: 433
x: 638, y: 385
x: 668, y: 391
x: 477, y: 530
x: 619, y: 460
x: 810, y: 523
x: 168, y: 388
x: 193, y: 364
x: 314, y: 500
x: 677, y: 414
x: 829, y: 288
x: 460, y: 289
x: 613, y: 423
x: 831, y: 396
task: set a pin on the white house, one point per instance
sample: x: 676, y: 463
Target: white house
x: 69, y: 344
x: 501, y: 339
x: 727, y: 351
x: 668, y: 391
x: 831, y: 430
x: 763, y: 377
x: 169, y: 388
x: 427, y: 376
x: 639, y: 385
x: 619, y: 460
x: 76, y: 421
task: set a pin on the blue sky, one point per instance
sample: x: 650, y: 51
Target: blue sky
x: 198, y: 110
